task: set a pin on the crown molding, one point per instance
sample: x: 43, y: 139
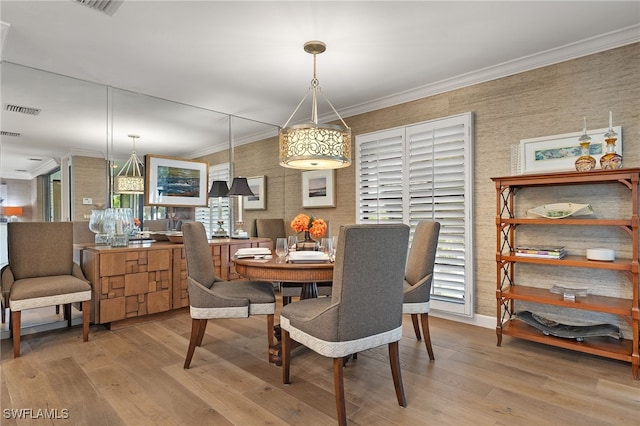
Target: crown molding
x: 601, y: 43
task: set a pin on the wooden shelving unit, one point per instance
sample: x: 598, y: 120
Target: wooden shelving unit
x: 507, y: 291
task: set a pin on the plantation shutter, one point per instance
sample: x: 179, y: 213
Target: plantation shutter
x: 423, y: 172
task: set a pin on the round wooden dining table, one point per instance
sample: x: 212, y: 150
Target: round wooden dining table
x: 308, y: 274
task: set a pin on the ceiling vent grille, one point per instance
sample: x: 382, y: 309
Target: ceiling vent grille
x: 5, y: 133
x: 22, y: 109
x: 107, y: 7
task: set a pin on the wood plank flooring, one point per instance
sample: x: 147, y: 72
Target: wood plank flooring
x: 133, y: 375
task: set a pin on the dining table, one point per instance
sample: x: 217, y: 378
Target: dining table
x: 266, y: 268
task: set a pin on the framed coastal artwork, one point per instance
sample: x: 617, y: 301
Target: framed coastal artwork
x: 257, y: 201
x: 559, y: 152
x: 318, y: 188
x: 175, y: 182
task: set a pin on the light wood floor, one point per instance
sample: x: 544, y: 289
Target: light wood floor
x: 133, y: 375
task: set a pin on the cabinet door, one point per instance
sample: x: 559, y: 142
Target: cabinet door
x: 134, y: 283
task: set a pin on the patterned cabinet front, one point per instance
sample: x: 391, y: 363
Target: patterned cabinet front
x: 130, y: 283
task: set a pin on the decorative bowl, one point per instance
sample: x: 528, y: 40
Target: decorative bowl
x: 561, y: 210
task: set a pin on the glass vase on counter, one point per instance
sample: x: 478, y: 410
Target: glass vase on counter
x: 118, y: 224
x: 97, y: 226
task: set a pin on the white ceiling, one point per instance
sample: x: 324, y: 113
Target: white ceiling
x: 246, y: 59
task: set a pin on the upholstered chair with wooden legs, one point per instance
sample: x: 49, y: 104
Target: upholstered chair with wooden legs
x: 364, y: 310
x: 210, y: 297
x: 418, y: 278
x: 41, y: 272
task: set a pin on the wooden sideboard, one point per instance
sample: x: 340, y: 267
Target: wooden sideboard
x: 147, y: 278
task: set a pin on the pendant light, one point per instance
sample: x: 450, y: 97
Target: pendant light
x: 130, y: 179
x: 313, y: 146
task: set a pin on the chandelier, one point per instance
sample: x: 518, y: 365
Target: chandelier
x: 130, y: 179
x: 312, y: 146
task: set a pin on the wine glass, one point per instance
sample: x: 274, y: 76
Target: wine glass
x: 281, y: 248
x: 293, y: 241
x: 326, y: 245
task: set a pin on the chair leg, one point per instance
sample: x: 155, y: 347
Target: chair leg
x: 416, y: 327
x: 85, y: 320
x: 427, y: 336
x: 202, y: 328
x: 196, y: 325
x: 285, y: 340
x: 270, y: 338
x: 67, y: 313
x: 15, y: 322
x: 338, y: 384
x: 286, y: 300
x: 394, y: 360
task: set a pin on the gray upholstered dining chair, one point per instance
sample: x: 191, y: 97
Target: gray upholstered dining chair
x: 418, y: 278
x: 210, y: 297
x: 41, y: 272
x: 364, y: 311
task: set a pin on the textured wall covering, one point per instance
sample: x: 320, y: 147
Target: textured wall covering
x: 547, y: 101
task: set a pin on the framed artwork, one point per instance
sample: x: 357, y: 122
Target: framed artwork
x: 175, y: 182
x: 559, y: 152
x: 258, y: 201
x: 318, y: 188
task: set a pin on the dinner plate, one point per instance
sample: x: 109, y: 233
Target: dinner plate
x: 308, y: 257
x: 253, y: 251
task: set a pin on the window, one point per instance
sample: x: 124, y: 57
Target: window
x: 209, y: 215
x: 424, y: 172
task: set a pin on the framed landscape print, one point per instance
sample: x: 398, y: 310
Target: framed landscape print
x: 318, y: 188
x: 559, y: 152
x: 258, y: 201
x: 175, y: 182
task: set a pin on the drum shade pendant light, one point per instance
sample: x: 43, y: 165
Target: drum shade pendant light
x: 130, y: 180
x: 312, y: 146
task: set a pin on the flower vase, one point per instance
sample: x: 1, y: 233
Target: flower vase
x: 611, y: 160
x: 585, y: 162
x: 308, y: 244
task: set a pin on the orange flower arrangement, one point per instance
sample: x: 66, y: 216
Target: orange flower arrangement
x: 316, y: 227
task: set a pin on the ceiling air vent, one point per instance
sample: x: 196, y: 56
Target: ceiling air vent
x: 4, y: 133
x: 107, y: 7
x: 22, y: 109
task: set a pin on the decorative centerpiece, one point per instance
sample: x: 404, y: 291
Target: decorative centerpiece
x: 312, y: 227
x: 611, y: 160
x: 585, y: 162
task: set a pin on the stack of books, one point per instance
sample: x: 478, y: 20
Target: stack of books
x: 541, y: 252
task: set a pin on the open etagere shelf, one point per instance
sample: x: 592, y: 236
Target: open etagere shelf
x: 508, y: 291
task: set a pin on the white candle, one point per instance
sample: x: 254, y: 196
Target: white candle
x: 584, y: 127
x: 610, y: 120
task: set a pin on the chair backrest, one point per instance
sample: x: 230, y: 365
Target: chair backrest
x: 198, y: 253
x: 367, y: 279
x: 81, y: 232
x: 422, y: 255
x: 156, y: 225
x: 39, y: 249
x: 271, y: 228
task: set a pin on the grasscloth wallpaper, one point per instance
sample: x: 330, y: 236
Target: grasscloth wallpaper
x: 546, y: 101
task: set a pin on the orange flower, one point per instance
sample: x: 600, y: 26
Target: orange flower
x: 316, y: 227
